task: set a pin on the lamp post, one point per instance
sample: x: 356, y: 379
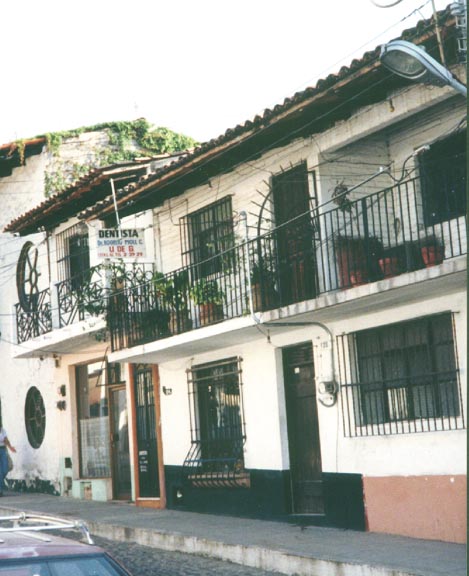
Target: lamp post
x: 412, y: 62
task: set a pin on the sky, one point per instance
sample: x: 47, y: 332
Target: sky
x: 197, y: 67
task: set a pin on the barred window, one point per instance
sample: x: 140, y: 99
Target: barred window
x: 443, y: 173
x: 206, y: 234
x: 217, y: 423
x: 401, y: 378
x: 73, y: 256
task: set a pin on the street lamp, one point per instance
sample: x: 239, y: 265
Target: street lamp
x: 412, y: 62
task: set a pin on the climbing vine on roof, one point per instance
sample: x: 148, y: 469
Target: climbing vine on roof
x: 119, y: 142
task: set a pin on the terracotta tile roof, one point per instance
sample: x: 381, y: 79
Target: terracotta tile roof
x: 331, y: 99
x: 340, y: 90
x: 87, y: 190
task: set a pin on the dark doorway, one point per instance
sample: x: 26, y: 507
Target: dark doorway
x: 120, y: 444
x: 295, y: 235
x: 303, y: 430
x: 146, y: 429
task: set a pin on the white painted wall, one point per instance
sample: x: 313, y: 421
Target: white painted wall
x: 264, y: 404
x: 351, y: 151
x: 19, y: 193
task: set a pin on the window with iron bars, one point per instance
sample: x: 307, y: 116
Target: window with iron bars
x: 217, y: 424
x: 443, y: 174
x: 73, y: 256
x: 205, y: 234
x: 401, y: 378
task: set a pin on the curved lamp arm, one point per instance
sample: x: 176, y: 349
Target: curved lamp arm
x: 412, y: 62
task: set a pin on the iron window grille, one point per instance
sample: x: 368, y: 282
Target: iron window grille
x: 205, y: 234
x: 401, y: 378
x: 73, y: 256
x: 35, y: 417
x: 216, y: 456
x: 443, y: 173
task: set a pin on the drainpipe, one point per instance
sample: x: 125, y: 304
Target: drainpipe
x: 326, y: 385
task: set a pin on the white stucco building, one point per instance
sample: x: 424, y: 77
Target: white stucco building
x: 293, y: 342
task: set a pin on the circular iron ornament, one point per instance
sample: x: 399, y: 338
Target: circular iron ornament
x: 27, y: 277
x: 35, y: 417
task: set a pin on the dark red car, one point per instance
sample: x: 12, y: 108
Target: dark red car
x: 28, y: 548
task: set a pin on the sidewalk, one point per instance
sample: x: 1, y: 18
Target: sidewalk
x: 269, y: 545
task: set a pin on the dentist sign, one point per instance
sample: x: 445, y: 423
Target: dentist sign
x: 124, y: 243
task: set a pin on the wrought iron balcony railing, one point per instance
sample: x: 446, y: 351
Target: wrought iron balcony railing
x: 37, y: 320
x: 376, y: 237
x: 89, y: 298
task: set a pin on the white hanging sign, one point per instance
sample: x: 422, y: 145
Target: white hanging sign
x: 121, y: 243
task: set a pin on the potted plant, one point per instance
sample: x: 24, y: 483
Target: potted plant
x: 391, y: 262
x: 432, y: 250
x: 262, y: 285
x: 91, y: 299
x: 90, y: 295
x: 176, y: 296
x: 209, y: 298
x: 357, y: 259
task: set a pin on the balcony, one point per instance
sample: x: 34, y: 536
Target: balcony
x: 384, y: 234
x: 37, y: 320
x: 75, y: 299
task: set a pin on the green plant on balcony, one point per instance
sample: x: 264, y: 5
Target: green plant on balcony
x: 358, y: 259
x: 262, y: 284
x: 174, y: 292
x: 207, y: 295
x: 90, y: 299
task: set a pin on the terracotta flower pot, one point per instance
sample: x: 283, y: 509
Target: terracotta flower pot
x: 261, y: 301
x: 389, y: 266
x: 432, y: 255
x: 210, y: 313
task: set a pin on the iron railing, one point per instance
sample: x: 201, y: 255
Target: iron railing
x: 373, y: 238
x: 37, y: 321
x: 90, y: 298
x: 78, y: 300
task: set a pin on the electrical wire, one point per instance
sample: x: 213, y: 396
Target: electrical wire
x: 338, y: 175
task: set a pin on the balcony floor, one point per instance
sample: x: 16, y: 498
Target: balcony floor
x: 446, y: 278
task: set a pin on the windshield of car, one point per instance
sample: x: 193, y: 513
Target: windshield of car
x: 95, y: 566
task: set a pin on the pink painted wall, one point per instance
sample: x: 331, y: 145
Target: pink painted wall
x: 429, y: 507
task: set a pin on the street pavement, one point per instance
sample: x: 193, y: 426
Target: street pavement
x: 267, y: 545
x: 146, y: 561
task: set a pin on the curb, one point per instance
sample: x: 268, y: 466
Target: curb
x: 258, y: 557
x: 253, y: 556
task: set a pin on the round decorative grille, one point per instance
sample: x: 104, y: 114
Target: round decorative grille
x: 27, y: 277
x: 35, y: 417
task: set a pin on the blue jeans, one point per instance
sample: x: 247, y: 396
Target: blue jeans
x: 3, y: 467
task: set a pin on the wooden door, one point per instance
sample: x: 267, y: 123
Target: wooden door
x: 295, y: 238
x: 303, y: 430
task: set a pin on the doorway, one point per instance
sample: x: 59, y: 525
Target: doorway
x: 303, y: 430
x: 120, y: 453
x: 147, y: 433
x: 295, y: 235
